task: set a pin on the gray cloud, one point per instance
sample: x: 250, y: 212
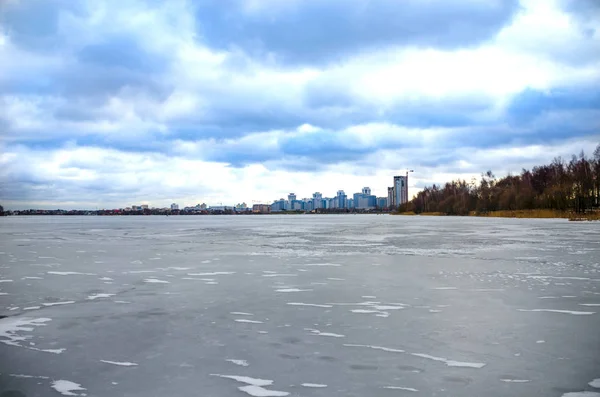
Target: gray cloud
x: 315, y: 32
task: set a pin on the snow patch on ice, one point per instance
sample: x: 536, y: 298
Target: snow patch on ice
x: 385, y: 349
x: 70, y: 273
x: 255, y: 386
x: 515, y: 380
x: 245, y: 320
x: 156, y: 281
x: 28, y: 376
x: 120, y: 363
x: 576, y: 313
x: 595, y: 383
x: 445, y: 288
x: 323, y: 264
x: 210, y: 274
x: 315, y: 385
x: 58, y: 303
x: 400, y: 388
x: 308, y: 304
x: 330, y: 334
x: 292, y: 290
x: 241, y: 314
x: 66, y: 387
x: 242, y: 363
x: 98, y: 296
x: 450, y: 363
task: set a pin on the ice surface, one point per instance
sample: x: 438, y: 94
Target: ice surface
x: 121, y: 363
x: 576, y: 313
x: 66, y: 387
x: 192, y: 330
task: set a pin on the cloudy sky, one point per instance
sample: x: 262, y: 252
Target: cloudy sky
x: 111, y: 103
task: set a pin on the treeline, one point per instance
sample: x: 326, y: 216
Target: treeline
x: 561, y: 186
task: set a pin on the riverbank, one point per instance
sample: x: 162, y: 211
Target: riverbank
x: 530, y: 214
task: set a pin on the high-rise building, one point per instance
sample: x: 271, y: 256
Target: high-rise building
x: 400, y: 190
x: 174, y: 207
x: 317, y: 200
x: 261, y: 208
x: 364, y: 200
x: 291, y: 197
x: 381, y: 202
x: 390, y: 197
x: 341, y: 199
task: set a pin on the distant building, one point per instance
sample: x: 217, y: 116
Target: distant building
x: 144, y: 206
x: 203, y: 206
x: 291, y: 197
x: 308, y: 204
x: 278, y: 205
x: 341, y: 199
x: 390, y: 197
x: 317, y: 200
x: 364, y: 200
x: 400, y: 190
x: 382, y: 202
x: 261, y: 208
x: 174, y: 207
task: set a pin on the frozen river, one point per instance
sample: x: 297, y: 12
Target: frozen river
x: 305, y: 305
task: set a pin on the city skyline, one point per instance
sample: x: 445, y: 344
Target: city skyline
x: 104, y: 105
